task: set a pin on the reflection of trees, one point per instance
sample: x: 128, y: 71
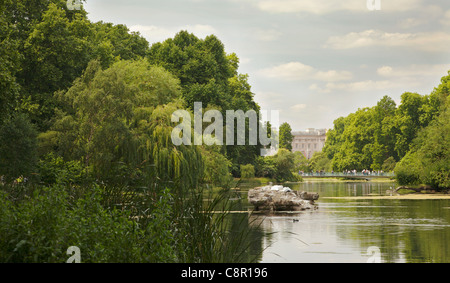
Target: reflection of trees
x: 245, y: 232
x: 407, y: 231
x: 249, y: 236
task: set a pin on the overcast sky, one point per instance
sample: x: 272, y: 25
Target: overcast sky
x: 313, y: 60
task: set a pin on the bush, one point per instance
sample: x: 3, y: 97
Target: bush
x: 389, y: 164
x: 247, y: 171
x: 18, y: 145
x: 41, y: 226
x: 409, y: 170
x: 53, y: 170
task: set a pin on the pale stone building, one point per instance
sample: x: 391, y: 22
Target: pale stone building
x: 309, y: 141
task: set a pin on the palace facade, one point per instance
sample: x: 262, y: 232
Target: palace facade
x: 309, y: 141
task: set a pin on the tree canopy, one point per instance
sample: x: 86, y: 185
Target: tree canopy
x: 412, y: 134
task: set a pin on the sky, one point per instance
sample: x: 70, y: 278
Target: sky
x: 312, y: 60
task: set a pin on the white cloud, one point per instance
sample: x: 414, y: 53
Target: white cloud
x: 157, y: 33
x: 392, y: 79
x: 414, y: 71
x: 321, y: 7
x: 385, y: 71
x: 297, y: 107
x: 299, y: 71
x: 431, y: 42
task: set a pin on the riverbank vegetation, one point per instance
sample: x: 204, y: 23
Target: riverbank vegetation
x: 86, y: 157
x: 411, y: 139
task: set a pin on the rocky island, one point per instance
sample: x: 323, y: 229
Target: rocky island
x: 279, y: 198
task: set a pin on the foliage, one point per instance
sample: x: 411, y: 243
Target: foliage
x: 286, y: 137
x: 247, y: 171
x: 265, y: 167
x: 45, y: 47
x: 18, y: 147
x: 40, y: 228
x: 201, y: 65
x: 208, y: 75
x: 118, y: 120
x: 54, y: 170
x: 89, y: 118
x: 409, y: 170
x: 217, y: 166
x: 369, y: 137
x: 320, y: 162
x: 389, y: 164
x: 429, y: 160
x: 301, y: 162
x: 284, y: 160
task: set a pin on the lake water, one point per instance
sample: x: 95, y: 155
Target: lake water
x: 357, y: 231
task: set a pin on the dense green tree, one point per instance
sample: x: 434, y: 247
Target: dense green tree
x: 208, y: 75
x: 301, y: 162
x: 46, y: 46
x: 284, y: 162
x: 247, y: 171
x: 18, y: 147
x: 320, y: 162
x: 428, y: 162
x: 411, y: 137
x: 9, y: 65
x: 118, y: 121
x: 408, y: 121
x: 389, y: 165
x: 286, y: 137
x: 201, y: 65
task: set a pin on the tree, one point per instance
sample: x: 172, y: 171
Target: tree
x: 208, y: 75
x: 117, y: 122
x: 18, y: 147
x: 389, y: 164
x: 301, y: 162
x: 284, y: 163
x: 432, y: 152
x: 9, y: 65
x: 408, y: 121
x: 201, y: 65
x: 286, y: 137
x: 247, y: 171
x: 320, y: 162
x: 55, y: 46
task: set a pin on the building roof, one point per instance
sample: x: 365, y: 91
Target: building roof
x: 311, y: 132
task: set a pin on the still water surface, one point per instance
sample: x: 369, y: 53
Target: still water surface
x: 343, y: 230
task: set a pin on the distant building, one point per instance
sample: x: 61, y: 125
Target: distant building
x: 309, y: 141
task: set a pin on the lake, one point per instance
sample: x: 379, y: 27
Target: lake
x: 356, y: 230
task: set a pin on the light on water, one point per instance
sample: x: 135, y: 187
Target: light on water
x: 347, y: 230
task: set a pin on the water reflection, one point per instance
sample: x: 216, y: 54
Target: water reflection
x: 343, y: 230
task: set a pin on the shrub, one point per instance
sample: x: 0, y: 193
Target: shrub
x: 18, y: 145
x: 247, y: 171
x: 409, y: 170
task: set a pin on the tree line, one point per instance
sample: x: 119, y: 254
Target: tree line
x: 85, y: 140
x: 411, y: 139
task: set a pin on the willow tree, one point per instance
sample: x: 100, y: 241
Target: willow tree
x: 117, y: 122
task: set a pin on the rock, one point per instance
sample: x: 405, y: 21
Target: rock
x: 274, y: 198
x: 309, y: 196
